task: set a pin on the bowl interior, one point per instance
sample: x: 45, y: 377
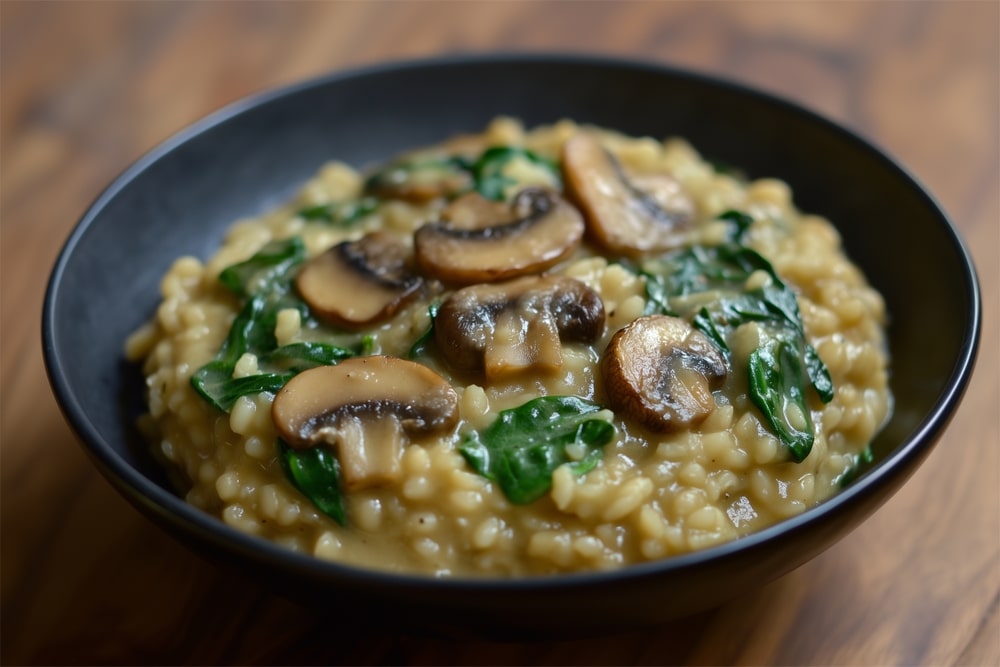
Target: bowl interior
x: 253, y: 155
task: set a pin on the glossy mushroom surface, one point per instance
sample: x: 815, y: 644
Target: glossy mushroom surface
x: 660, y: 371
x: 497, y: 330
x: 368, y: 408
x: 479, y: 241
x: 627, y: 215
x: 358, y: 283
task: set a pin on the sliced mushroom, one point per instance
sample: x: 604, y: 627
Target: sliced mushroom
x: 500, y: 329
x: 359, y: 283
x: 660, y: 371
x: 367, y: 408
x: 628, y: 216
x: 480, y: 241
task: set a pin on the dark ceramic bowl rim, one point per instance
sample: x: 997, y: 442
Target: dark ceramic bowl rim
x: 175, y: 512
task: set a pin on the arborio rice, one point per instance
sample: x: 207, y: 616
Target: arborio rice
x: 690, y: 403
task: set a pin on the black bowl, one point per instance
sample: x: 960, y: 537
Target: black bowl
x: 181, y: 197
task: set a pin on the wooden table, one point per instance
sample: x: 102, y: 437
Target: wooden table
x: 88, y: 87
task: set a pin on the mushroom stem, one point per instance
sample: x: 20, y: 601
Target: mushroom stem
x: 520, y: 342
x: 368, y: 408
x: 370, y: 452
x: 500, y: 329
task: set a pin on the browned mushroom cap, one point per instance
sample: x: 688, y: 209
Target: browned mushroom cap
x: 626, y: 216
x: 480, y: 242
x: 358, y: 283
x: 499, y: 329
x: 368, y: 408
x: 659, y: 370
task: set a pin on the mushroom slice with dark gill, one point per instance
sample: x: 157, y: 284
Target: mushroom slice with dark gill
x: 495, y: 330
x: 358, y: 283
x: 628, y: 216
x: 481, y: 241
x: 367, y: 408
x: 660, y: 371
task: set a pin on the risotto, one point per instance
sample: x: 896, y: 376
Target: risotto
x: 519, y: 352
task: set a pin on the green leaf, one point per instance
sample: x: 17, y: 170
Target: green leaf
x: 307, y: 355
x: 724, y: 270
x: 259, y: 273
x: 245, y: 328
x: 366, y: 346
x: 265, y: 283
x: 523, y: 447
x: 702, y: 268
x: 316, y: 473
x: 488, y: 175
x: 861, y: 460
x: 420, y: 345
x: 819, y: 374
x: 342, y: 213
x: 776, y: 381
x: 657, y: 295
x: 782, y: 301
x: 739, y: 223
x: 215, y: 383
x: 703, y: 322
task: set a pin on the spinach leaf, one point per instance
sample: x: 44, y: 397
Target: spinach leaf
x: 779, y: 369
x: 819, y: 374
x: 265, y: 283
x: 451, y: 175
x: 488, y: 175
x: 420, y: 345
x: 657, y: 294
x: 739, y: 223
x: 862, y: 460
x: 703, y: 322
x: 776, y: 380
x: 341, y: 213
x: 270, y: 264
x: 316, y: 473
x: 366, y: 347
x: 701, y: 268
x: 307, y: 355
x: 215, y: 383
x: 524, y: 446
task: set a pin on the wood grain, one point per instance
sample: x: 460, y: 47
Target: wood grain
x: 88, y: 87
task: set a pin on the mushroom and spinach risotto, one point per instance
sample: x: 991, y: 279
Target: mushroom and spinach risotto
x: 517, y: 352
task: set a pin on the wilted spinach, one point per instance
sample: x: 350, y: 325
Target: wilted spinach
x: 784, y: 363
x: 420, y: 345
x: 487, y: 171
x: 265, y: 283
x: 342, y: 213
x: 315, y: 472
x: 457, y: 175
x: 524, y: 446
x: 860, y: 462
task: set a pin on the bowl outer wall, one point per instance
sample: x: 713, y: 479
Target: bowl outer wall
x: 179, y: 199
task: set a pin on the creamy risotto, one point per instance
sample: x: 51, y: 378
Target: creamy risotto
x: 519, y: 352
